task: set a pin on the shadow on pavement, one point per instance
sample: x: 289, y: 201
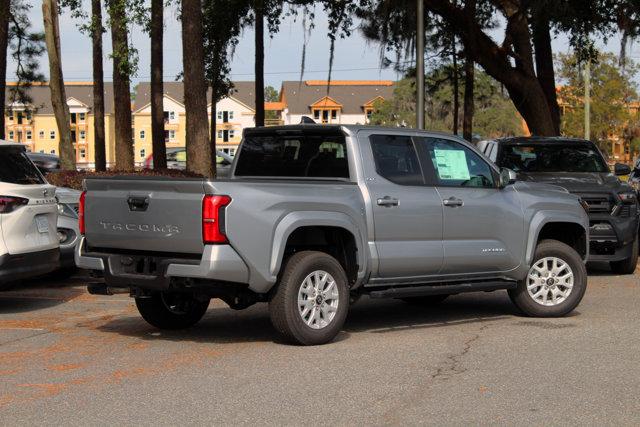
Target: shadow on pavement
x: 224, y: 325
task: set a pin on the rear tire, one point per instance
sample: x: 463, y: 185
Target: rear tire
x: 311, y: 301
x: 555, y: 283
x: 425, y: 300
x: 166, y: 310
x: 627, y: 266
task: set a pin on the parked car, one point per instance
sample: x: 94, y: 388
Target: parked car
x: 579, y: 167
x: 634, y: 177
x: 177, y: 159
x: 45, y: 162
x: 68, y: 231
x: 29, y: 244
x: 314, y: 216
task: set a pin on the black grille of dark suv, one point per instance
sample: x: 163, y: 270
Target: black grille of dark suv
x: 598, y: 203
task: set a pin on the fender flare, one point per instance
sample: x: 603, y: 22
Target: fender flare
x: 544, y: 217
x: 294, y: 220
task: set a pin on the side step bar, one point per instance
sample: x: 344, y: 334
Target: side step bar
x: 458, y: 288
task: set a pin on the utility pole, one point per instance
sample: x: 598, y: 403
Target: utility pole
x: 587, y: 100
x: 420, y: 65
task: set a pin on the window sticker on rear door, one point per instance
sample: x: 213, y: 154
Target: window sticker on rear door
x: 452, y: 164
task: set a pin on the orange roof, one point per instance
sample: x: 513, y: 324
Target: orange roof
x: 349, y: 83
x: 326, y: 101
x: 373, y: 101
x: 274, y: 106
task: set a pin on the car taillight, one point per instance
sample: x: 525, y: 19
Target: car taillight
x: 81, y: 212
x: 11, y: 203
x: 213, y: 219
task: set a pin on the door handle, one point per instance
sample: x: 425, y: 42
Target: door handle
x: 453, y: 202
x: 387, y: 201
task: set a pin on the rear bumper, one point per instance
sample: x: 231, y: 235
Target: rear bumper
x: 24, y: 266
x: 218, y: 264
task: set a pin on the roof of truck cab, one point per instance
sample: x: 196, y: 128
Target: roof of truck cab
x: 351, y: 128
x: 541, y: 140
x: 4, y: 143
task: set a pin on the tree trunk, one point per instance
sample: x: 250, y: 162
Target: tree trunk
x: 98, y: 87
x: 4, y: 42
x: 544, y: 66
x: 121, y: 87
x: 157, y: 86
x: 214, y: 113
x: 520, y: 81
x: 456, y: 89
x: 259, y: 71
x: 195, y: 89
x: 467, y: 120
x: 56, y: 84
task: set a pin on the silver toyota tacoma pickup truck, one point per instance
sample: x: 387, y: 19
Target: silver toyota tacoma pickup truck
x: 312, y: 217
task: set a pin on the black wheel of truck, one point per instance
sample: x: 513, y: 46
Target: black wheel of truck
x: 310, y: 303
x: 627, y: 266
x: 426, y: 300
x: 166, y: 310
x: 555, y: 283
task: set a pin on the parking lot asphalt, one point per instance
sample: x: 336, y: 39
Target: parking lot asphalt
x: 70, y: 358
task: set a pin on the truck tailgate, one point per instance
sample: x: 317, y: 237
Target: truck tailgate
x: 141, y: 214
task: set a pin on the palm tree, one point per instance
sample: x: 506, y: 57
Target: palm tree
x: 199, y: 155
x: 157, y: 87
x: 98, y: 86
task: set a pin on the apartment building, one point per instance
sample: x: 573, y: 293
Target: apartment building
x: 340, y: 102
x: 233, y: 114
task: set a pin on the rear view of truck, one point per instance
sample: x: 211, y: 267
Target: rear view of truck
x: 174, y: 244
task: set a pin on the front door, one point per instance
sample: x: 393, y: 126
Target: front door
x: 483, y: 224
x: 225, y: 136
x: 407, y: 214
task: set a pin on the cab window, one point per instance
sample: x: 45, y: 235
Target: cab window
x: 396, y: 159
x: 456, y: 165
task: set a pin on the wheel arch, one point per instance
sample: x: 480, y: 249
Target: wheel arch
x: 316, y: 230
x: 561, y: 226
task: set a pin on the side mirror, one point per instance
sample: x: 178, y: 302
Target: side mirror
x: 621, y: 169
x: 507, y: 176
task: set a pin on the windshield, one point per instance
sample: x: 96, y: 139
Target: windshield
x: 552, y: 158
x: 16, y: 168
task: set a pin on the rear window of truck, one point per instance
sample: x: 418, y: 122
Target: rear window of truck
x: 16, y: 168
x: 288, y: 156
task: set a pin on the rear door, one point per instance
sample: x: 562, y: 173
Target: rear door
x: 28, y: 210
x: 159, y: 215
x: 483, y: 224
x: 407, y: 214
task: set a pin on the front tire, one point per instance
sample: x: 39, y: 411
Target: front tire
x: 627, y: 266
x: 166, y: 310
x: 555, y: 284
x: 311, y: 300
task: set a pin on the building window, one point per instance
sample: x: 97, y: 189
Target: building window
x: 53, y: 151
x: 172, y: 135
x: 83, y: 153
x: 232, y: 134
x: 29, y: 135
x: 82, y: 117
x: 316, y: 114
x: 172, y: 115
x: 219, y: 134
x: 28, y: 115
x: 219, y: 115
x: 11, y: 135
x: 142, y: 135
x: 83, y: 135
x: 52, y: 134
x: 41, y: 134
x: 143, y: 153
x: 230, y: 115
x: 334, y: 114
x: 10, y: 116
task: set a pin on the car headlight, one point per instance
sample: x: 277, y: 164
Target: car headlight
x: 627, y: 197
x: 66, y: 210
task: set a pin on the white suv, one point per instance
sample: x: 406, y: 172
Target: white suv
x: 29, y: 244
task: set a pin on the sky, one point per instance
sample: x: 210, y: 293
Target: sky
x: 355, y: 57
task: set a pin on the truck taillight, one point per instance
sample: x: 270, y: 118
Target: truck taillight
x: 10, y: 203
x: 213, y: 219
x: 81, y: 212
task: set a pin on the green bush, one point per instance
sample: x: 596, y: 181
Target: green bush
x: 73, y: 179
